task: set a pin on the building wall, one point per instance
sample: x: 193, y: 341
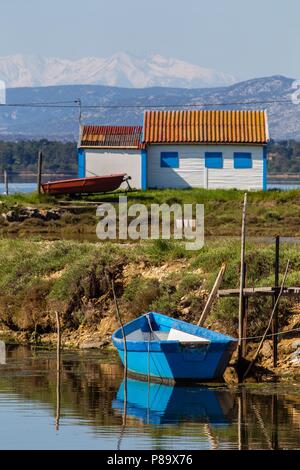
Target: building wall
x: 108, y: 161
x: 192, y: 171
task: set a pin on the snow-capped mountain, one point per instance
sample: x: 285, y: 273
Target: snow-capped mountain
x: 120, y: 69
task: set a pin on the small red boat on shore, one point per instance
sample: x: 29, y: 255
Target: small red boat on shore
x: 91, y: 184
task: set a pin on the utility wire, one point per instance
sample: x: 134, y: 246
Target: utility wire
x: 190, y: 104
x: 77, y: 103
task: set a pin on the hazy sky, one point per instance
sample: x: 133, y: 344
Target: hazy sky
x: 246, y: 38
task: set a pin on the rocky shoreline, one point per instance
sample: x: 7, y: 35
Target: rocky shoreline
x: 21, y: 214
x: 288, y: 367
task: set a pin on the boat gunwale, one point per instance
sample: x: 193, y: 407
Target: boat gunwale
x: 222, y: 339
x: 89, y: 178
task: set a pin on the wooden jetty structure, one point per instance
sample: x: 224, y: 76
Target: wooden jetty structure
x: 245, y: 293
x: 258, y: 291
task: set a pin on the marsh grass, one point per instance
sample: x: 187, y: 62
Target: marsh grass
x: 197, y: 195
x: 169, y: 196
x: 27, y: 198
x: 50, y: 273
x: 268, y: 213
x: 160, y: 250
x: 37, y: 277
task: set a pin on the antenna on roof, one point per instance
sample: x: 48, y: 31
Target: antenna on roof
x: 78, y: 101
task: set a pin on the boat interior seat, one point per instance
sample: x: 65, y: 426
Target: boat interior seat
x: 171, y: 335
x: 139, y: 335
x: 185, y: 337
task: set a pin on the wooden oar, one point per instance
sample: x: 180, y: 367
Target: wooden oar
x: 212, y: 296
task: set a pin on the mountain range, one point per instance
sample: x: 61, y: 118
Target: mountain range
x: 121, y: 69
x: 122, y: 106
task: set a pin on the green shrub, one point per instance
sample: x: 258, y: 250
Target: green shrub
x: 189, y: 282
x: 159, y: 251
x: 140, y: 293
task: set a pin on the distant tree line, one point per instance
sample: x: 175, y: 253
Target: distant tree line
x: 61, y: 157
x: 284, y: 157
x: 21, y: 156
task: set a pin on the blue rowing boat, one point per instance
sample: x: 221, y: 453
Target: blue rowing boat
x: 158, y: 403
x: 165, y: 349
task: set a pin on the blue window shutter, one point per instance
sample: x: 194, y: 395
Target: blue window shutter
x: 169, y: 160
x: 242, y: 160
x: 213, y: 160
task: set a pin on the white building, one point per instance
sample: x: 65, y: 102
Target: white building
x: 104, y: 150
x: 181, y: 149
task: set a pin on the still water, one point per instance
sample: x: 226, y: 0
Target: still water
x: 85, y: 408
x: 28, y: 184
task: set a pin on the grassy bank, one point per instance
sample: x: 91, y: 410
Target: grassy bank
x: 268, y: 213
x: 37, y: 278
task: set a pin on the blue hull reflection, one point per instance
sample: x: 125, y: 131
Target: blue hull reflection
x: 166, y: 404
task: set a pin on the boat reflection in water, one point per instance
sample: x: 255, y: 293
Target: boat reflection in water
x: 156, y: 403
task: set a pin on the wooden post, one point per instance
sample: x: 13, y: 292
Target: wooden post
x: 262, y: 425
x: 245, y: 315
x: 213, y: 441
x: 124, y: 416
x: 121, y: 324
x: 243, y: 442
x: 274, y: 422
x: 242, y: 281
x: 212, y: 296
x: 58, y: 369
x: 242, y: 439
x: 276, y: 285
x: 5, y: 183
x: 125, y: 350
x: 58, y: 342
x: 245, y: 438
x: 39, y: 171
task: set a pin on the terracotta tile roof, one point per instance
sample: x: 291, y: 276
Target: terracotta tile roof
x: 205, y: 126
x: 111, y: 136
